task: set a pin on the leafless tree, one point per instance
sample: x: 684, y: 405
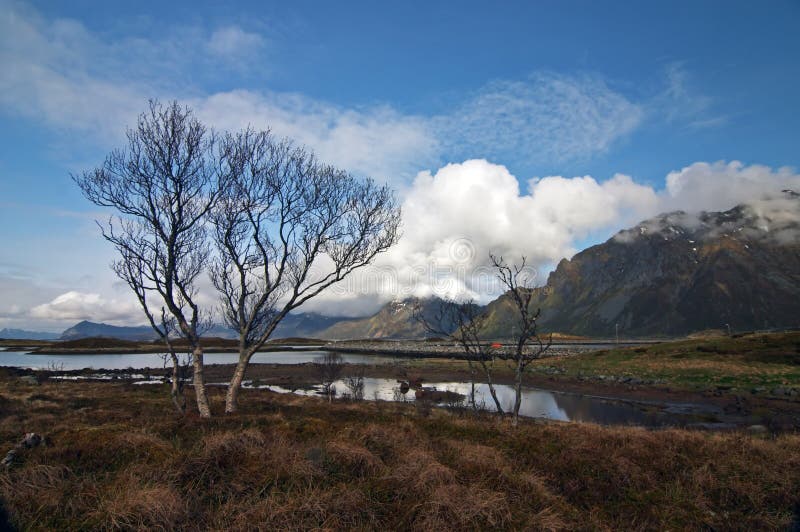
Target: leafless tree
x: 528, y: 345
x: 463, y: 322
x: 162, y: 185
x: 287, y: 228
x: 131, y: 269
x: 355, y: 384
x: 330, y: 367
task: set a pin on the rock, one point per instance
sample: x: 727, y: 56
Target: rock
x: 10, y: 458
x: 437, y: 396
x: 757, y: 429
x: 29, y: 379
x: 758, y: 389
x: 31, y: 440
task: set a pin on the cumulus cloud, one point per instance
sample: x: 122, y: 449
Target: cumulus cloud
x: 721, y: 185
x: 61, y: 74
x: 455, y: 217
x: 75, y: 305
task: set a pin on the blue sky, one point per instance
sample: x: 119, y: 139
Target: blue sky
x: 553, y: 90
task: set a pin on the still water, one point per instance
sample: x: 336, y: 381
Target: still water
x: 23, y: 359
x: 536, y: 402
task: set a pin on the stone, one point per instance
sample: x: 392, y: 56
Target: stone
x: 757, y: 429
x: 10, y: 458
x: 31, y: 440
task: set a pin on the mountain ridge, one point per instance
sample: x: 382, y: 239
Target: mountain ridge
x: 677, y: 273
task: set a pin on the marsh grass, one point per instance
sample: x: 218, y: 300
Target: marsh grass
x: 118, y: 458
x: 746, y: 361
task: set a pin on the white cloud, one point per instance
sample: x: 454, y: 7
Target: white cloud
x: 46, y: 75
x: 680, y: 102
x: 75, y: 305
x: 60, y: 73
x: 233, y: 41
x: 547, y: 117
x: 454, y: 218
x: 721, y: 185
x: 375, y: 141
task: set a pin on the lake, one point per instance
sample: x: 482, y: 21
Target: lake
x: 536, y: 402
x: 24, y: 359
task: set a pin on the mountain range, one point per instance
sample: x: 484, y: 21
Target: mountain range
x: 678, y: 273
x: 20, y: 334
x: 670, y: 275
x: 305, y: 324
x: 394, y: 320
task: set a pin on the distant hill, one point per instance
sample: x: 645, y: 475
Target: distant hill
x: 88, y: 329
x: 305, y: 325
x: 676, y: 274
x: 20, y: 334
x: 393, y: 320
x: 300, y: 325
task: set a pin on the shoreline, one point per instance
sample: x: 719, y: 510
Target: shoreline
x: 399, y: 348
x: 734, y: 410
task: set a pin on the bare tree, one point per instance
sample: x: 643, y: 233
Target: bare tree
x: 329, y: 366
x: 528, y: 345
x: 162, y: 185
x: 355, y: 384
x: 131, y: 269
x: 463, y: 322
x: 287, y: 228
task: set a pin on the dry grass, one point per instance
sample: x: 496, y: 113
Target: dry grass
x: 119, y: 459
x: 744, y: 362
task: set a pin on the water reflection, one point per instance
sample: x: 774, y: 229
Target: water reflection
x: 535, y: 402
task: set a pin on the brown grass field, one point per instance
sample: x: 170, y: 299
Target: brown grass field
x: 117, y: 457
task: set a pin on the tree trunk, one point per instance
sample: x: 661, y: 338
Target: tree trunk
x: 488, y: 374
x: 232, y: 397
x: 176, y: 393
x: 200, y: 383
x: 472, y: 385
x: 517, y: 393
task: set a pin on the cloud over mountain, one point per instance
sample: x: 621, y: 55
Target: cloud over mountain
x: 75, y: 305
x: 453, y: 219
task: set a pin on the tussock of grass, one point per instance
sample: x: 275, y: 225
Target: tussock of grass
x: 137, y: 505
x: 119, y: 458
